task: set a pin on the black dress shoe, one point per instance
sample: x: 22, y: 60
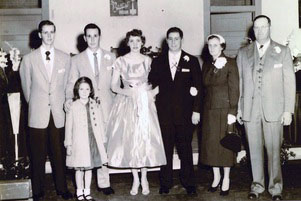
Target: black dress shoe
x: 224, y: 193
x: 252, y: 196
x: 212, y: 189
x: 163, y: 190
x: 191, y: 190
x: 65, y: 195
x: 106, y: 191
x: 276, y: 197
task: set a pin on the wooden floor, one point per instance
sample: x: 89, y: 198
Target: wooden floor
x: 240, y: 182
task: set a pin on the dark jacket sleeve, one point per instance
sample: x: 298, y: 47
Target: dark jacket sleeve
x: 197, y: 82
x: 233, y: 86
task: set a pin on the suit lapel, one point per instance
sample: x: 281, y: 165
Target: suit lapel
x: 40, y: 63
x: 251, y: 54
x: 167, y: 67
x: 269, y: 54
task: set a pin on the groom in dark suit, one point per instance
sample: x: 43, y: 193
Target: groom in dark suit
x: 178, y: 75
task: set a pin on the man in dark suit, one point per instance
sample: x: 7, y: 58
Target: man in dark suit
x: 43, y: 75
x: 178, y: 75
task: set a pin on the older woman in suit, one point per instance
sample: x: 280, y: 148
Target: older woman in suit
x: 221, y: 86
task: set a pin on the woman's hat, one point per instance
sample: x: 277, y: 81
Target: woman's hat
x: 221, y: 39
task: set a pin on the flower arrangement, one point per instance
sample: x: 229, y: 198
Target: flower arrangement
x: 11, y: 168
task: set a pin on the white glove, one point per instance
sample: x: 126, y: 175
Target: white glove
x: 231, y: 119
x: 196, y: 117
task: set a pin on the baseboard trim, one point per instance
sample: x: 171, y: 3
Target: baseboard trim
x: 176, y: 161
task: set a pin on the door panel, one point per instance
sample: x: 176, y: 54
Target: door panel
x: 234, y: 28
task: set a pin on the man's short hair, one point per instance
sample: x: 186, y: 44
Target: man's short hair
x: 45, y: 22
x: 92, y: 26
x: 174, y: 29
x: 262, y: 16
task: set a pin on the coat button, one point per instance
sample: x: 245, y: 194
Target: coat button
x: 95, y: 124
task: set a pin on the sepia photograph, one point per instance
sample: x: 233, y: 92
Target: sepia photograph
x: 130, y: 100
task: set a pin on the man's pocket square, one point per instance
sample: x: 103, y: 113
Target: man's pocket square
x: 185, y: 70
x: 277, y: 65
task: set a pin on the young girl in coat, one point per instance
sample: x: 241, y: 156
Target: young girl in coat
x: 84, y: 137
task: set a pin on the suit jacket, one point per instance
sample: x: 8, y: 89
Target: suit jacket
x: 80, y: 66
x: 221, y: 89
x: 278, y: 81
x: 174, y: 102
x: 77, y: 136
x: 41, y: 95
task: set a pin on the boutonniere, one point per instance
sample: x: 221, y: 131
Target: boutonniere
x: 277, y: 49
x: 193, y: 91
x: 107, y: 57
x: 220, y: 62
x: 186, y: 58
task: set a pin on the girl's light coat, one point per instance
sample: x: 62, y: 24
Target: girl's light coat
x: 76, y: 133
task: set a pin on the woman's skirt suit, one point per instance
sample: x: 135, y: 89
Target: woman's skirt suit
x: 221, y: 88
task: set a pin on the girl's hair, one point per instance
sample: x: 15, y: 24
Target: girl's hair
x: 78, y: 83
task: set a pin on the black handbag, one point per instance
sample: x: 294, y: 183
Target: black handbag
x: 232, y: 140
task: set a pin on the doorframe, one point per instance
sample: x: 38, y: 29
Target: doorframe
x: 256, y: 9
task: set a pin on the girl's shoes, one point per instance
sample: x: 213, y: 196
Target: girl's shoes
x: 135, y: 187
x: 145, y: 187
x: 89, y: 198
x: 80, y: 197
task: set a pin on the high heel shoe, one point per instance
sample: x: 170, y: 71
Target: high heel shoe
x: 145, y: 187
x: 135, y: 187
x: 226, y: 192
x: 213, y: 189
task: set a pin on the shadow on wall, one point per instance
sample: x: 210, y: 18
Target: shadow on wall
x: 34, y: 39
x: 81, y: 43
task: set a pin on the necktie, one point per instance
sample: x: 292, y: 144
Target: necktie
x: 261, y: 53
x: 48, y: 65
x: 47, y: 55
x: 96, y: 71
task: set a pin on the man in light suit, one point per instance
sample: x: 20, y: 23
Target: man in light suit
x: 178, y: 75
x: 266, y: 104
x: 96, y: 64
x: 43, y: 75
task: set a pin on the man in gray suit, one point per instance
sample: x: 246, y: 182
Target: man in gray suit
x: 43, y: 75
x: 266, y: 104
x: 96, y: 64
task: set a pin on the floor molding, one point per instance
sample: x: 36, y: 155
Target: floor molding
x: 176, y: 161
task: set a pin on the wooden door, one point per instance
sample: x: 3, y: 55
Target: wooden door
x: 234, y: 27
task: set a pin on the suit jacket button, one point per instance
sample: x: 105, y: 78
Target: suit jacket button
x: 95, y: 124
x: 48, y: 104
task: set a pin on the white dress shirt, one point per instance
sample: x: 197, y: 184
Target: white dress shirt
x: 48, y: 63
x: 91, y: 58
x: 263, y: 49
x: 174, y: 59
